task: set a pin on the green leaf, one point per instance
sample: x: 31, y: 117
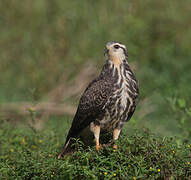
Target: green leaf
x: 182, y: 120
x: 181, y: 103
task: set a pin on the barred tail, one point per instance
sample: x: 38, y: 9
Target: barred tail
x: 73, y: 133
x: 68, y: 144
x: 67, y: 149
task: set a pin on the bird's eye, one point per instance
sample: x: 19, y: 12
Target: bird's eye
x: 116, y: 46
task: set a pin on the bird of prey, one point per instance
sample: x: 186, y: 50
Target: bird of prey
x: 109, y: 100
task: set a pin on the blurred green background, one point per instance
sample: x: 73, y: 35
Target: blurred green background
x: 45, y: 44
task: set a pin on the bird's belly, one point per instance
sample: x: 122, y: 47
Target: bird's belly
x: 116, y: 111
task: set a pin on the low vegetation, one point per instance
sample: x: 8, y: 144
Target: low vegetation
x: 28, y: 154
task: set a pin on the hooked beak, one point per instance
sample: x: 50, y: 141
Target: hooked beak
x: 106, y: 51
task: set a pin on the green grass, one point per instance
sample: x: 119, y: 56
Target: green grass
x: 27, y: 154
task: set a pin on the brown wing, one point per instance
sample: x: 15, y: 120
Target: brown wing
x: 91, y: 105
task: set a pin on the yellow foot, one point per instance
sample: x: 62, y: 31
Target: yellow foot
x: 97, y: 147
x: 115, y: 146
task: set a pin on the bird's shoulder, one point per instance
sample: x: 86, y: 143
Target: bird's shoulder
x: 91, y: 104
x: 96, y: 94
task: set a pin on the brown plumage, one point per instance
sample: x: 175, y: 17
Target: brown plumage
x: 108, y: 101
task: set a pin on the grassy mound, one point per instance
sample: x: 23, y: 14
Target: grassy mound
x: 26, y: 154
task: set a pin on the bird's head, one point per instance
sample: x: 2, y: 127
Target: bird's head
x: 116, y: 52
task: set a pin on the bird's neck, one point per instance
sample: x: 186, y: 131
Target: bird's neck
x: 113, y: 68
x: 117, y: 59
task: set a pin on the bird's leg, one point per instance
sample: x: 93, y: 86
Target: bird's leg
x: 96, y: 135
x: 116, y: 133
x: 96, y: 130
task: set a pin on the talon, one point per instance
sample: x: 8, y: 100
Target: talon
x: 115, y: 146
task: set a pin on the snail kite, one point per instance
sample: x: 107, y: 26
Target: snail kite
x: 109, y: 100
